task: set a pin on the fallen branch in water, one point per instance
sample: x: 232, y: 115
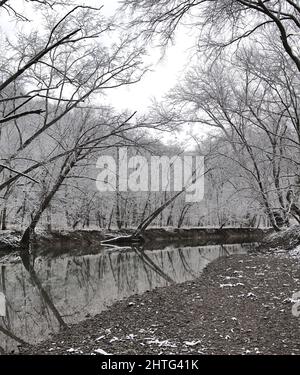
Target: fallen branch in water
x: 137, y: 236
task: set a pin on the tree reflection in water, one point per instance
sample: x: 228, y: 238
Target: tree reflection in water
x: 45, y: 294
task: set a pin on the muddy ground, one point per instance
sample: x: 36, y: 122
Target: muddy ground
x: 240, y: 305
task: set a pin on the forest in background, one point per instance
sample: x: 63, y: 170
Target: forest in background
x: 243, y: 89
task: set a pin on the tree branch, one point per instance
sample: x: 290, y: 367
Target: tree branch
x: 19, y: 173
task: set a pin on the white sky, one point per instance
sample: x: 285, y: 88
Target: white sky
x: 163, y: 76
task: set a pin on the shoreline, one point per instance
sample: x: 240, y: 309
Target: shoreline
x: 156, y: 238
x: 241, y: 304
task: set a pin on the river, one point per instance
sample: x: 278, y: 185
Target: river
x: 80, y: 286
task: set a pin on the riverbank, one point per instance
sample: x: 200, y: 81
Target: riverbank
x: 64, y: 240
x: 285, y: 240
x: 241, y: 304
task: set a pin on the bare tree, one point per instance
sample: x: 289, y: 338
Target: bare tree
x: 222, y: 23
x: 253, y: 108
x: 53, y: 73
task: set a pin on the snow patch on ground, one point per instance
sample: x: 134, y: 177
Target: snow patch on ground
x: 295, y: 252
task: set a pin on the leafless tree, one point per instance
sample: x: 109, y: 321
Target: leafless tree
x: 222, y: 23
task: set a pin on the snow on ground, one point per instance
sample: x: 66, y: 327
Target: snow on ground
x: 295, y: 252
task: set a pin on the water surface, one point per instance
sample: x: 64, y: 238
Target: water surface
x: 83, y: 285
